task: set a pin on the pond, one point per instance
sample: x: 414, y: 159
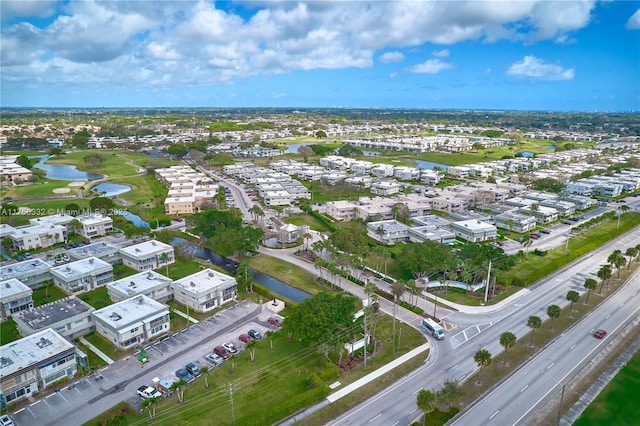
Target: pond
x: 293, y: 148
x: 229, y: 265
x: 422, y: 164
x: 111, y: 189
x: 63, y: 171
x: 135, y: 219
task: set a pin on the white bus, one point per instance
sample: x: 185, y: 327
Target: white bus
x: 433, y: 328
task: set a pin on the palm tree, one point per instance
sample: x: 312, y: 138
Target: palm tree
x: 426, y: 401
x: 204, y: 370
x: 619, y: 262
x: 604, y: 273
x: 164, y: 258
x: 483, y: 359
x: 251, y: 347
x: 631, y: 252
x: 526, y: 243
x: 178, y: 388
x: 554, y: 312
x: 269, y: 334
x: 533, y: 322
x: 589, y: 284
x: 150, y: 403
x: 572, y: 296
x: 507, y: 340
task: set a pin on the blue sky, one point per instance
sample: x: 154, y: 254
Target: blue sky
x: 525, y: 55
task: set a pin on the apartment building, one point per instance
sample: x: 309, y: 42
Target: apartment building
x: 69, y: 317
x: 14, y: 298
x: 474, y: 231
x: 150, y: 283
x: 38, y: 236
x: 82, y: 275
x: 147, y: 255
x: 94, y: 225
x: 102, y: 250
x: 388, y: 232
x: 205, y: 290
x: 32, y: 273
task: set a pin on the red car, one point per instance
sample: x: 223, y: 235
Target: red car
x: 599, y: 334
x: 245, y: 338
x: 275, y: 321
x: 220, y: 351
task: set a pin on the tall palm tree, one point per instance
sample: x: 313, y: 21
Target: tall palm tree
x: 507, y: 340
x: 533, y: 322
x: 572, y: 296
x: 204, y: 370
x: 483, y: 360
x: 589, y: 284
x: 426, y: 401
x: 554, y: 312
x: 150, y: 404
x: 178, y: 388
x: 397, y: 289
x: 632, y: 253
x: 604, y: 273
x: 251, y: 347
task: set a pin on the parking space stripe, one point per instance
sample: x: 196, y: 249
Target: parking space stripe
x: 34, y: 403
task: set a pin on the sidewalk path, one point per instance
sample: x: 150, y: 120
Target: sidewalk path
x: 183, y: 315
x: 96, y: 350
x: 377, y: 373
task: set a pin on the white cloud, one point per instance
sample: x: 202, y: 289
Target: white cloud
x: 535, y: 68
x: 391, y: 57
x: 26, y: 8
x: 432, y: 66
x: 441, y: 53
x: 634, y: 22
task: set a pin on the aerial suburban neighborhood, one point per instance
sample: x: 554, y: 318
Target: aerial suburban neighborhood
x: 319, y: 213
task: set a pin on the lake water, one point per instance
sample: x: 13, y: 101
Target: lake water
x: 422, y: 164
x: 111, y: 189
x: 63, y: 171
x: 135, y: 219
x: 229, y: 265
x: 293, y: 148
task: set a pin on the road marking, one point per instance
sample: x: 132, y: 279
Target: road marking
x: 103, y: 369
x: 592, y: 330
x: 37, y: 402
x: 608, y: 316
x: 524, y: 388
x: 494, y: 414
x: 451, y: 368
x: 395, y: 423
x: 45, y: 401
x: 76, y: 389
x: 89, y: 382
x: 413, y: 411
x: 551, y: 365
x: 621, y: 305
x: 375, y: 417
x: 462, y: 377
x: 19, y: 411
x: 416, y: 391
x: 571, y: 348
x: 65, y: 399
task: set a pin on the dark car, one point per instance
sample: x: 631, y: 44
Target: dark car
x: 545, y: 231
x: 19, y: 257
x: 220, y: 351
x: 255, y: 334
x: 599, y: 334
x: 184, y: 375
x: 192, y: 369
x: 275, y: 321
x: 86, y: 242
x: 534, y: 236
x: 245, y: 338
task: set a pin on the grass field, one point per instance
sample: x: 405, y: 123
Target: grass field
x: 98, y: 298
x: 310, y: 221
x: 47, y: 294
x: 616, y: 404
x: 285, y: 272
x: 8, y: 332
x: 43, y: 188
x: 43, y: 208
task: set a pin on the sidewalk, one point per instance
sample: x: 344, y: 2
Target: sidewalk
x: 97, y: 351
x: 183, y: 315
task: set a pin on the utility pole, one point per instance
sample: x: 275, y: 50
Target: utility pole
x: 560, y: 407
x: 233, y: 416
x: 566, y: 244
x: 365, y: 336
x: 486, y: 288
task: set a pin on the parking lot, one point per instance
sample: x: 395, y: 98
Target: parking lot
x: 88, y: 396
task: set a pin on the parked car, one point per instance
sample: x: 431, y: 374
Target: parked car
x: 193, y: 369
x: 230, y: 347
x: 255, y: 334
x: 221, y: 352
x: 214, y: 359
x: 599, y: 334
x: 19, y: 257
x: 245, y: 338
x: 86, y: 242
x: 566, y: 222
x: 28, y: 256
x: 545, y: 231
x: 275, y: 321
x: 534, y: 236
x: 184, y: 375
x: 6, y: 420
x: 146, y: 392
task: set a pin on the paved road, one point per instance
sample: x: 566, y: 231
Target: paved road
x: 453, y: 357
x: 515, y: 401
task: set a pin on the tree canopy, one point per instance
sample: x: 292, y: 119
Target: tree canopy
x: 548, y: 184
x: 94, y: 159
x: 322, y: 317
x: 101, y: 203
x: 225, y: 231
x: 349, y: 238
x: 177, y: 150
x: 427, y: 258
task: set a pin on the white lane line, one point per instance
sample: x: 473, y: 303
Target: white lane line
x: 413, y: 411
x: 494, y: 414
x: 416, y: 391
x: 34, y: 403
x: 551, y: 365
x: 65, y: 399
x: 451, y: 368
x: 49, y: 396
x: 608, y: 316
x: 45, y: 401
x: 375, y: 417
x: 571, y: 348
x: 395, y: 423
x: 101, y: 370
x: 19, y: 411
x: 524, y: 388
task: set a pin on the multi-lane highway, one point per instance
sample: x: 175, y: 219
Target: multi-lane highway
x: 516, y: 399
x: 453, y: 357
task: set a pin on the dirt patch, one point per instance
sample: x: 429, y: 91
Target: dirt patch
x: 78, y: 183
x: 61, y: 190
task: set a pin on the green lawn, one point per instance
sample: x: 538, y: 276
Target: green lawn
x: 305, y: 219
x: 616, y: 404
x: 43, y: 188
x: 124, y: 411
x: 43, y: 208
x: 98, y: 298
x: 95, y: 361
x: 47, y: 294
x: 8, y: 332
x: 183, y: 266
x: 104, y: 345
x: 116, y: 163
x: 121, y: 271
x: 285, y: 272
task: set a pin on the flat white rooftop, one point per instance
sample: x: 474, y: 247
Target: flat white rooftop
x: 146, y: 248
x: 27, y: 267
x: 47, y: 315
x: 129, y: 311
x: 97, y: 249
x: 140, y: 282
x: 473, y: 224
x: 12, y: 287
x: 204, y: 281
x: 81, y: 267
x: 31, y: 350
x: 93, y: 219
